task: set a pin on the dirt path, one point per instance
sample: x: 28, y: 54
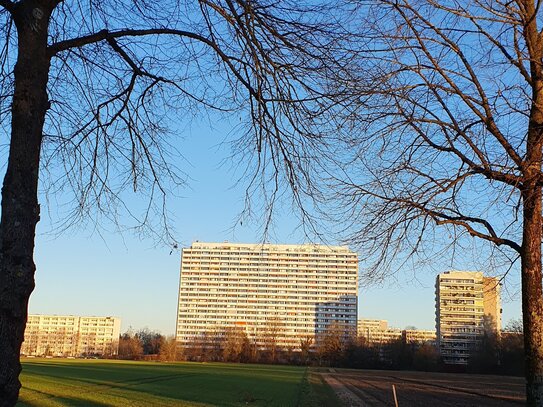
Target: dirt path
x: 348, y: 398
x: 374, y: 388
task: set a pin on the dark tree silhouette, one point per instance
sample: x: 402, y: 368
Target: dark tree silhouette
x: 88, y: 88
x: 442, y: 129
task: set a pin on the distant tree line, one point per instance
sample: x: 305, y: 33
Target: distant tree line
x: 497, y: 354
x: 147, y: 344
x: 500, y: 354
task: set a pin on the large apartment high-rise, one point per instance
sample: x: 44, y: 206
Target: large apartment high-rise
x: 467, y: 303
x: 298, y: 289
x: 68, y: 335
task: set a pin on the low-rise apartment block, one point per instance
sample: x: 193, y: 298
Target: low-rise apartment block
x: 377, y: 331
x: 467, y: 304
x: 296, y: 291
x: 71, y: 336
x: 419, y: 336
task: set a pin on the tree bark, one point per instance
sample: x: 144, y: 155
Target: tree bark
x: 532, y: 292
x: 532, y: 297
x: 20, y: 209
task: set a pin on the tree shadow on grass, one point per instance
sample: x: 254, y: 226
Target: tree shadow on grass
x: 62, y: 401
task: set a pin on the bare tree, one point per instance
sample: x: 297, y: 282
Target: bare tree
x: 272, y: 337
x: 514, y: 326
x: 87, y: 91
x: 169, y: 350
x: 512, y: 348
x: 235, y: 344
x: 130, y: 346
x: 150, y: 340
x: 306, y: 346
x: 333, y: 342
x: 442, y: 125
x: 203, y: 347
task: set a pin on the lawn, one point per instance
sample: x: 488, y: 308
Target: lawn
x: 75, y: 382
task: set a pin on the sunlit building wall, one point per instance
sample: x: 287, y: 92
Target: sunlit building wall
x: 71, y: 336
x: 299, y: 290
x: 377, y: 331
x: 467, y: 303
x: 419, y: 336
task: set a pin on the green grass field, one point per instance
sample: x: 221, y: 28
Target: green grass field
x: 74, y: 382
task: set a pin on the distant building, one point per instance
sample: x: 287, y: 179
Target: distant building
x: 71, y: 336
x: 377, y: 331
x: 467, y: 304
x: 419, y: 336
x: 289, y: 291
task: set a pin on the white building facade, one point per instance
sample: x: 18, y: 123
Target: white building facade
x: 299, y: 290
x: 377, y: 331
x: 71, y: 336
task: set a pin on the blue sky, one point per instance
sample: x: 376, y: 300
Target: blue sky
x: 82, y: 272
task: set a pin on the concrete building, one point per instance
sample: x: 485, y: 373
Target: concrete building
x: 377, y: 331
x: 467, y: 303
x: 296, y: 291
x: 419, y: 336
x: 71, y: 336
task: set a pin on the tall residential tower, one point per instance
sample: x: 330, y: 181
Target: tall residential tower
x: 467, y: 305
x: 299, y: 289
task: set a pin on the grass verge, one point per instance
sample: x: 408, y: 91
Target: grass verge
x: 315, y: 392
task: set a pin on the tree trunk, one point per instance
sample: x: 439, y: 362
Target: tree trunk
x: 20, y: 209
x: 532, y: 293
x: 532, y: 298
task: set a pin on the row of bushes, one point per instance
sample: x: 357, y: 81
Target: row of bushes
x: 496, y: 354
